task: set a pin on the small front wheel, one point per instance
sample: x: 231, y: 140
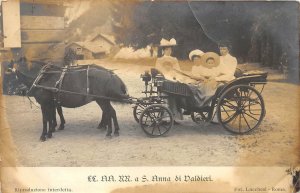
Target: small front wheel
x: 140, y: 107
x: 156, y: 120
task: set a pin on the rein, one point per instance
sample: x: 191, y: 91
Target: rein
x: 31, y: 102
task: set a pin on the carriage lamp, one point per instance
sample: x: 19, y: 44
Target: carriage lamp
x: 146, y: 77
x: 159, y: 80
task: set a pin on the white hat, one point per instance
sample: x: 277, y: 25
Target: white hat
x: 195, y: 53
x: 210, y: 55
x: 167, y: 43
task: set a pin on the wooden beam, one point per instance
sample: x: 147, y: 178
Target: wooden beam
x: 56, y: 2
x: 42, y: 22
x: 42, y: 36
x: 33, y: 9
x: 11, y: 23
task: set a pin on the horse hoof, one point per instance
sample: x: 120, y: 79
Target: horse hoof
x: 108, y: 137
x: 42, y: 138
x: 116, y: 134
x: 49, y: 135
x: 101, y: 127
x: 61, y: 127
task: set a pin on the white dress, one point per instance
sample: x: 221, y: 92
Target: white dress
x: 170, y: 75
x: 227, y: 67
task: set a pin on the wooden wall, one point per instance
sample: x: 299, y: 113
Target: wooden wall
x: 43, y: 29
x: 11, y: 23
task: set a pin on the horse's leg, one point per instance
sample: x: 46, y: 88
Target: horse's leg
x: 104, y: 105
x: 44, y: 133
x: 103, y: 122
x: 54, y: 121
x: 50, y: 109
x: 61, y: 116
x: 109, y: 123
x: 115, y: 120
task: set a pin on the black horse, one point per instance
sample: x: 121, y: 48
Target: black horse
x: 82, y: 88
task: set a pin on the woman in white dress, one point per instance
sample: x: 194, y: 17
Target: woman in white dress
x: 166, y: 65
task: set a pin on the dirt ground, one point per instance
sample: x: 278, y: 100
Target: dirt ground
x: 188, y: 144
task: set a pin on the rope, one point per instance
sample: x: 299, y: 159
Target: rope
x: 201, y: 25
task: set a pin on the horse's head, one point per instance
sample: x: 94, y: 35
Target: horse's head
x: 25, y: 74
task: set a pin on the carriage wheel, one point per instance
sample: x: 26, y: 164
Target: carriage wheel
x: 137, y: 111
x: 156, y: 120
x: 140, y: 107
x: 199, y: 117
x: 240, y: 109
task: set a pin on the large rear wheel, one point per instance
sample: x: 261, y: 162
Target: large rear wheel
x: 240, y: 109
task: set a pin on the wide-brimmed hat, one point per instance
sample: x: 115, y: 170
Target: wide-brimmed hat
x: 196, y: 52
x: 167, y: 43
x: 210, y: 55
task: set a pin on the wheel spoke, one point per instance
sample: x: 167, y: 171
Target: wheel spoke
x: 251, y: 103
x: 246, y: 121
x: 233, y: 116
x: 251, y: 116
x: 158, y: 129
x: 232, y: 106
x: 254, y: 109
x: 152, y: 130
x: 240, y: 118
x: 233, y: 119
x: 248, y: 96
x: 225, y: 111
x: 229, y: 110
x: 151, y: 117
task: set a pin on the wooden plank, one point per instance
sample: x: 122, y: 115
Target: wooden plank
x: 42, y: 36
x: 43, y: 51
x: 34, y: 9
x: 11, y: 23
x: 56, y: 2
x: 42, y: 22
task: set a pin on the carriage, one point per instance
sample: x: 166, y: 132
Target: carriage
x: 238, y: 105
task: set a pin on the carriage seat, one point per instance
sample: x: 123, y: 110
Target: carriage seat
x: 177, y: 88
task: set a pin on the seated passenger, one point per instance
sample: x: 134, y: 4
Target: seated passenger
x: 201, y: 81
x: 167, y: 51
x: 228, y: 65
x: 166, y: 65
x: 205, y: 71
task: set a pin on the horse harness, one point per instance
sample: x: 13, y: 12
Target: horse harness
x: 57, y: 89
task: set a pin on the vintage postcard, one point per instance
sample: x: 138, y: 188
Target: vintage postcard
x: 102, y: 96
